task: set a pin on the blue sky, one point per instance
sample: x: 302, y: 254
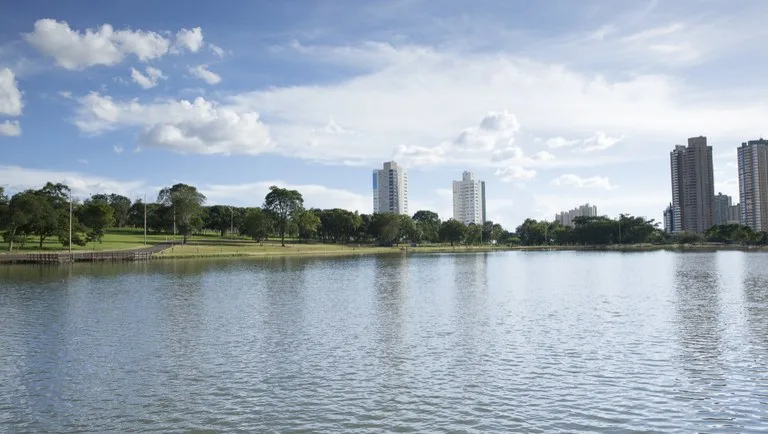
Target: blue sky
x: 552, y: 103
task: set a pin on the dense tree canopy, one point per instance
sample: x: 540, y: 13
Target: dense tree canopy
x: 186, y: 205
x: 283, y: 204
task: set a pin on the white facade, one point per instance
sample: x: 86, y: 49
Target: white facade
x: 565, y: 218
x: 390, y: 189
x: 675, y: 210
x: 753, y: 184
x: 469, y: 200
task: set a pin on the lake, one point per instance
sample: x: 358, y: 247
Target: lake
x: 494, y: 342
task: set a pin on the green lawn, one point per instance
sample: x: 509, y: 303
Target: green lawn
x: 114, y: 239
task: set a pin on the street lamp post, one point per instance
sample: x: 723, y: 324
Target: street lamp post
x: 145, y: 219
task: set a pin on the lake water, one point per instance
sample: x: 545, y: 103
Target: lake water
x: 498, y: 342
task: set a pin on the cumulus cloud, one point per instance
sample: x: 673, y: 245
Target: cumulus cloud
x: 10, y: 128
x: 217, y: 50
x: 17, y: 178
x: 189, y: 40
x: 560, y: 142
x: 512, y: 173
x: 511, y: 153
x: 419, y: 155
x: 10, y: 96
x: 496, y: 130
x: 543, y: 156
x: 75, y: 50
x: 599, y: 142
x: 148, y: 81
x: 315, y: 196
x: 579, y: 182
x: 198, y: 126
x: 202, y: 72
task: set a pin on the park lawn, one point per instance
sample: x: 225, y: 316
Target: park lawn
x: 114, y: 239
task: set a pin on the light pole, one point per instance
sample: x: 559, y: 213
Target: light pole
x: 145, y: 219
x: 70, y: 221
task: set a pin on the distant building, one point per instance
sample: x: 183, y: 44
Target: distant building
x: 565, y: 218
x: 753, y: 184
x: 672, y: 220
x: 734, y: 214
x: 390, y: 189
x: 722, y: 207
x: 469, y: 200
x: 693, y: 186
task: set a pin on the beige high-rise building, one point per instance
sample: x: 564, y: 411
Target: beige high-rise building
x: 753, y: 184
x: 390, y: 189
x: 469, y: 199
x: 693, y: 186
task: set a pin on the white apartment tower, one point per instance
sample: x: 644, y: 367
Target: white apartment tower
x: 390, y: 189
x: 469, y: 199
x: 753, y: 184
x: 565, y: 218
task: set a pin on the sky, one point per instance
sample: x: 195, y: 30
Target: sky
x: 553, y: 103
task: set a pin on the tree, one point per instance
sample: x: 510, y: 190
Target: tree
x: 307, y: 223
x: 120, y: 207
x: 283, y: 204
x: 428, y: 223
x: 96, y: 216
x: 473, y: 234
x: 408, y: 229
x: 532, y: 232
x: 452, y: 231
x: 257, y: 224
x: 219, y: 218
x: 385, y: 228
x: 31, y: 213
x: 186, y: 204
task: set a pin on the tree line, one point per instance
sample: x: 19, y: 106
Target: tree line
x: 180, y: 210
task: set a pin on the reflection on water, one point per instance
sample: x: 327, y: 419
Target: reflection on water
x: 492, y: 342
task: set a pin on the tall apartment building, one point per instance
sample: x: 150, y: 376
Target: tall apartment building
x: 469, y: 199
x: 390, y: 189
x: 734, y: 214
x: 753, y: 184
x: 565, y: 218
x: 723, y: 204
x: 693, y: 186
x: 670, y: 217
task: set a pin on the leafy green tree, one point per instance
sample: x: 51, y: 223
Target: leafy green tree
x: 428, y: 224
x: 32, y: 213
x: 220, y: 218
x: 689, y: 238
x: 186, y: 204
x: 452, y: 231
x: 257, y: 224
x: 283, y: 204
x: 96, y: 216
x: 306, y: 223
x: 385, y: 228
x: 473, y: 234
x: 338, y: 225
x: 408, y: 229
x: 120, y: 205
x: 532, y: 232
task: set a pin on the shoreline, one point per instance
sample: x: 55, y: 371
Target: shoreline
x: 192, y: 251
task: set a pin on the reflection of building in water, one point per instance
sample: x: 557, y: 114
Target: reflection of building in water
x: 391, y: 283
x: 756, y: 294
x: 698, y: 319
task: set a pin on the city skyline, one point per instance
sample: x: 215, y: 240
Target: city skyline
x: 234, y: 98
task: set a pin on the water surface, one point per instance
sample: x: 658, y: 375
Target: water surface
x: 495, y: 342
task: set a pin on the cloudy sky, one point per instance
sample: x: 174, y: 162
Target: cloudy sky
x: 552, y: 102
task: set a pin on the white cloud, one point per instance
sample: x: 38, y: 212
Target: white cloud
x: 579, y: 182
x: 148, y: 81
x: 118, y: 149
x: 560, y: 142
x: 10, y: 128
x: 419, y: 155
x: 315, y: 196
x: 511, y: 153
x: 65, y: 94
x: 190, y: 40
x: 17, y: 178
x: 217, y: 50
x: 543, y: 156
x: 599, y: 142
x: 509, y: 174
x: 82, y: 161
x: 496, y: 130
x: 10, y: 96
x: 75, y: 50
x: 202, y: 72
x: 198, y: 126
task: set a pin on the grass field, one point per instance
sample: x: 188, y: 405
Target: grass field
x: 114, y: 239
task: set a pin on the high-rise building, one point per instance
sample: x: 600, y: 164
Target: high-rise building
x: 693, y: 185
x: 734, y: 214
x: 753, y: 184
x: 676, y: 160
x: 390, y: 189
x: 469, y: 200
x: 565, y: 218
x: 672, y: 220
x: 723, y: 205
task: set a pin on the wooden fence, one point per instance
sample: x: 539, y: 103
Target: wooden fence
x: 141, y: 254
